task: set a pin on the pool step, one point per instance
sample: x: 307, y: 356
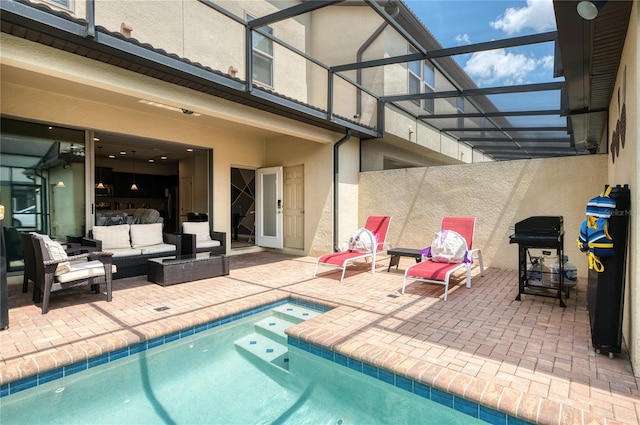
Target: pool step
x: 265, y: 349
x: 295, y: 313
x: 273, y: 327
x: 268, y: 342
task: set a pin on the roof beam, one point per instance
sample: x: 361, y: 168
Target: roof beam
x: 523, y: 88
x: 452, y: 51
x: 299, y: 9
x: 393, y: 24
x: 492, y: 114
x: 504, y: 128
x: 514, y: 140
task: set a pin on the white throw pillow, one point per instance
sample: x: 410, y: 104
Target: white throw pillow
x: 57, y: 252
x: 112, y: 237
x: 146, y: 235
x: 198, y: 228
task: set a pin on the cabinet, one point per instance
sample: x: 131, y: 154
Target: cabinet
x: 605, y: 290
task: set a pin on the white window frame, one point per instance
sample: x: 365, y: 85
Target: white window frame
x: 63, y: 4
x: 419, y: 79
x: 460, y: 104
x: 429, y: 105
x: 266, y: 56
x: 415, y: 77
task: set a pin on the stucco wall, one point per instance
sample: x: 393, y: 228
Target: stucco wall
x: 317, y: 160
x: 498, y: 194
x: 51, y: 86
x: 189, y: 28
x: 623, y: 166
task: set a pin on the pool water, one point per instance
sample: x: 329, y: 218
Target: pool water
x: 206, y: 379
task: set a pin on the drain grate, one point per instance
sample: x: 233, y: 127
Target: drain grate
x: 163, y: 308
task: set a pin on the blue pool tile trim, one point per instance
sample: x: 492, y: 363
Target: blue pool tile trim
x: 41, y: 378
x: 434, y: 394
x: 458, y: 403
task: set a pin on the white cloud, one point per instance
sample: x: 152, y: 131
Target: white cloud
x: 537, y: 14
x: 546, y: 62
x: 463, y: 39
x: 499, y: 67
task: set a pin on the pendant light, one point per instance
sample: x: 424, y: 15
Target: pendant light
x: 100, y: 185
x: 134, y: 186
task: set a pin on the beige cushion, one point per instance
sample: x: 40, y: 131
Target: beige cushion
x: 159, y: 248
x: 207, y: 244
x: 199, y: 228
x: 57, y: 252
x: 80, y: 271
x: 146, y: 235
x: 125, y: 252
x: 112, y: 237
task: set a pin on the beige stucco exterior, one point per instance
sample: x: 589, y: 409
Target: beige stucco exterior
x: 47, y: 85
x: 622, y: 168
x: 498, y: 194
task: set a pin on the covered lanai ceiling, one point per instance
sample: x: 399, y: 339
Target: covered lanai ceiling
x: 566, y: 115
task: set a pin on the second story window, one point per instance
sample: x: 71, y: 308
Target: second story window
x: 262, y: 57
x: 64, y: 3
x: 429, y: 78
x: 422, y: 79
x: 460, y: 108
x: 415, y: 76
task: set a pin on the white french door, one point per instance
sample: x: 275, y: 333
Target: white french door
x: 269, y: 207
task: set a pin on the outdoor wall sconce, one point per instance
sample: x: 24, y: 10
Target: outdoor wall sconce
x: 589, y: 9
x: 60, y: 184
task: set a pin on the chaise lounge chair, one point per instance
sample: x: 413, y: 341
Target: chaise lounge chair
x: 440, y: 273
x: 377, y: 227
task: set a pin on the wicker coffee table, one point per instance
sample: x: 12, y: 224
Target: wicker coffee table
x: 171, y: 270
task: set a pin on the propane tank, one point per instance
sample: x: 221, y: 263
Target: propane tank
x: 537, y: 272
x: 570, y: 273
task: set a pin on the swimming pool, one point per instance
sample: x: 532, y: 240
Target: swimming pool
x: 208, y: 377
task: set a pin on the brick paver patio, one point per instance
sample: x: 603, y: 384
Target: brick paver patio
x: 531, y: 359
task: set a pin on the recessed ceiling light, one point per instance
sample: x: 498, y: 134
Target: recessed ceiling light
x: 163, y: 157
x: 112, y: 156
x: 152, y: 160
x: 123, y: 152
x: 96, y: 139
x: 189, y: 150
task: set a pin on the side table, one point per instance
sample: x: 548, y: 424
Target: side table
x: 396, y: 253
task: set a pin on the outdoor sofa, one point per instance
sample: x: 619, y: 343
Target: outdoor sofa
x: 133, y: 244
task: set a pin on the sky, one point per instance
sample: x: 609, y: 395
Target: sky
x: 459, y: 22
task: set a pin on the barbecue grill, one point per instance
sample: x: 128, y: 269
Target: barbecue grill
x: 540, y: 232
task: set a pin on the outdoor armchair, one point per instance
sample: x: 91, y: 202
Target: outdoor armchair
x: 56, y: 271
